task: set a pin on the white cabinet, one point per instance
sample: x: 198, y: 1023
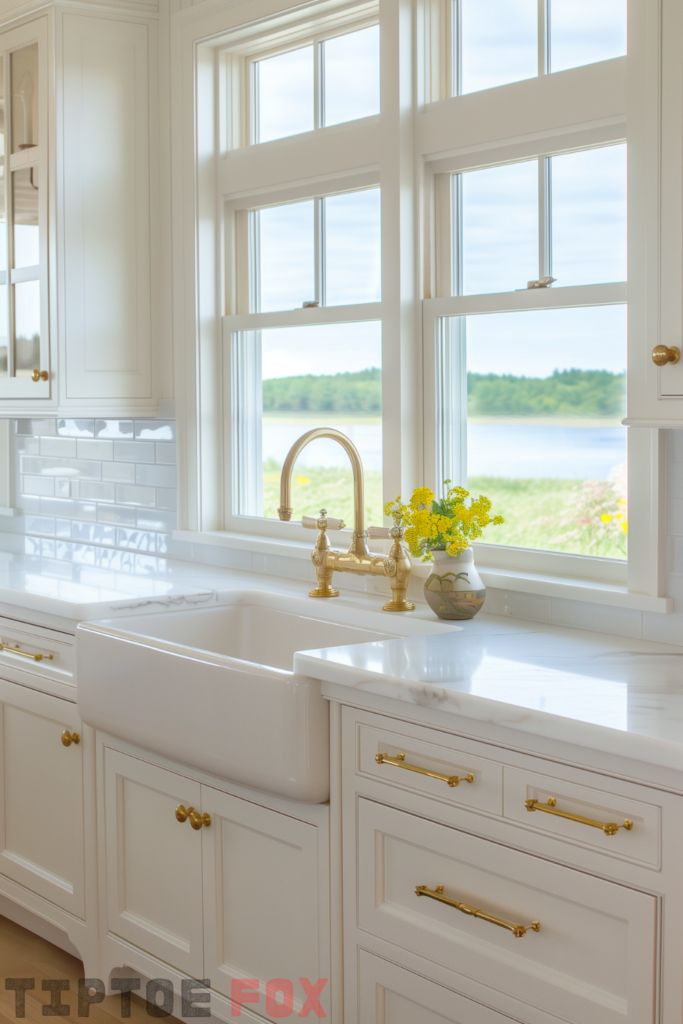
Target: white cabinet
x: 42, y: 845
x: 105, y: 248
x: 391, y: 995
x: 154, y: 862
x: 235, y: 891
x: 437, y: 877
x: 78, y: 271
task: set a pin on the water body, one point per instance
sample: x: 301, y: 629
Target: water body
x: 504, y: 450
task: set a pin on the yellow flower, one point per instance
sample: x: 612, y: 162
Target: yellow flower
x: 605, y: 518
x: 421, y: 496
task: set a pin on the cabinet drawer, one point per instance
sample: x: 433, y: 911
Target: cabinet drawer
x: 29, y: 640
x: 388, y: 994
x: 416, y: 753
x: 594, y: 952
x: 552, y: 798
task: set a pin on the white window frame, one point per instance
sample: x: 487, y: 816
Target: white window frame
x: 421, y: 134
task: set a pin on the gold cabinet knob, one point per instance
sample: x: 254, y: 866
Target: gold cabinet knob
x: 70, y: 737
x: 663, y: 354
x: 182, y: 813
x: 197, y: 820
x: 39, y: 375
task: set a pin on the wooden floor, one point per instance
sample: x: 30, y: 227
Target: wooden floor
x: 25, y: 955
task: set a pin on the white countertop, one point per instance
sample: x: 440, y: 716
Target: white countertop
x: 595, y: 690
x: 607, y: 693
x: 134, y: 582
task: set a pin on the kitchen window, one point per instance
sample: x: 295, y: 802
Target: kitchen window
x: 430, y: 255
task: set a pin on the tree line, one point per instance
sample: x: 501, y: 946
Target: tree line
x: 564, y: 393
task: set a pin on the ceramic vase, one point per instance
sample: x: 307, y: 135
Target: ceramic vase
x: 454, y: 589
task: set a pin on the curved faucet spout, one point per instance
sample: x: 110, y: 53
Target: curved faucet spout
x: 358, y: 545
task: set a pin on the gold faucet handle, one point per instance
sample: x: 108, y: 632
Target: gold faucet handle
x: 322, y: 522
x: 386, y: 532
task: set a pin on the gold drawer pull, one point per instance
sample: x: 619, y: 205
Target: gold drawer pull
x: 70, y: 737
x: 196, y: 819
x: 399, y: 762
x: 518, y: 930
x: 39, y: 375
x: 610, y: 828
x: 25, y: 654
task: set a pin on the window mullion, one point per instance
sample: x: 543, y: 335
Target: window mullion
x: 318, y: 84
x: 254, y: 262
x: 543, y: 37
x: 544, y: 226
x: 456, y: 222
x: 456, y: 59
x: 319, y: 252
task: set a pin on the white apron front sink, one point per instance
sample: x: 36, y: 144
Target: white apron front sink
x: 215, y: 688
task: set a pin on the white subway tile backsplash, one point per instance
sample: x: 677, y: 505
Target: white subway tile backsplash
x: 166, y: 453
x: 120, y: 515
x: 155, y: 430
x: 93, y: 533
x: 156, y: 520
x: 95, y: 490
x: 155, y: 476
x: 63, y: 488
x: 119, y: 472
x: 41, y: 485
x: 38, y: 428
x: 127, y: 494
x: 59, y: 446
x: 134, y: 451
x: 167, y: 498
x: 114, y: 428
x: 68, y: 508
x: 137, y: 540
x: 63, y: 528
x: 76, y: 428
x: 40, y: 525
x: 95, y: 449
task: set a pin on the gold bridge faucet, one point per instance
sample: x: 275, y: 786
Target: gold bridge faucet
x: 395, y: 565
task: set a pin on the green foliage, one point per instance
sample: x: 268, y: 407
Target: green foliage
x: 339, y: 392
x: 565, y: 393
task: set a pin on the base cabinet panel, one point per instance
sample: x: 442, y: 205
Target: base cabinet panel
x: 261, y: 898
x: 594, y: 953
x: 153, y: 861
x: 389, y: 994
x: 42, y: 824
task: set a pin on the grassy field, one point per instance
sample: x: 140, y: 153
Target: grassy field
x: 551, y: 515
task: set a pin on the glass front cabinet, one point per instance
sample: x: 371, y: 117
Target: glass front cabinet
x: 24, y: 299
x: 76, y: 215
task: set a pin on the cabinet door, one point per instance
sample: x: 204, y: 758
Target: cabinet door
x: 153, y: 861
x: 24, y: 300
x: 260, y: 898
x: 41, y: 827
x: 107, y: 289
x: 392, y: 995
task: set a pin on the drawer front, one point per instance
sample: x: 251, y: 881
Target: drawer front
x: 553, y: 798
x: 28, y: 640
x: 594, y: 952
x: 399, y: 756
x: 388, y: 994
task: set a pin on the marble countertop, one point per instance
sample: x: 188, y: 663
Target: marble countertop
x: 133, y: 583
x: 608, y: 693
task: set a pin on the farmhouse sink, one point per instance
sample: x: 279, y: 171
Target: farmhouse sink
x: 215, y: 688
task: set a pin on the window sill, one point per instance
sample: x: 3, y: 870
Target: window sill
x: 545, y: 585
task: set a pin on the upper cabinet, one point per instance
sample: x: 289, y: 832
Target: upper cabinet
x: 655, y: 271
x: 78, y: 330
x: 24, y: 306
